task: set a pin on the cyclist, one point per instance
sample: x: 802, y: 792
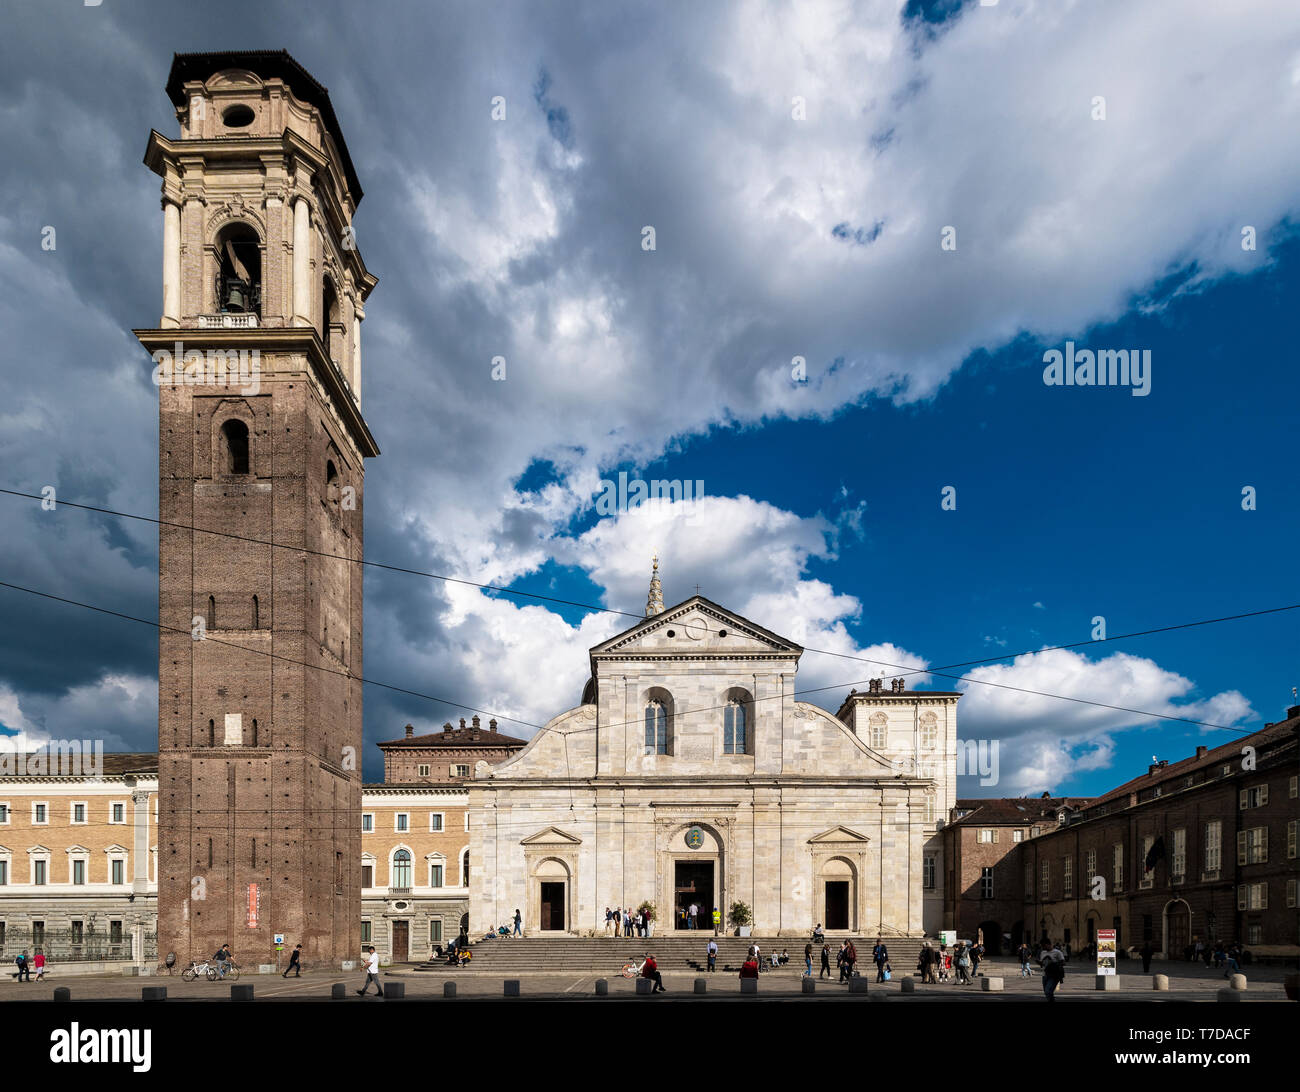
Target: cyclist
x: 221, y: 959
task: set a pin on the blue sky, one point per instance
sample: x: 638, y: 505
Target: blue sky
x: 801, y: 166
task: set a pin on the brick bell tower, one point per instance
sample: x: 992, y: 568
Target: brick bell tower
x: 260, y: 435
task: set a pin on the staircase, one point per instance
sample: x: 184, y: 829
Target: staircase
x: 674, y: 953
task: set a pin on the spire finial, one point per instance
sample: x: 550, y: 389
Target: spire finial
x: 654, y: 603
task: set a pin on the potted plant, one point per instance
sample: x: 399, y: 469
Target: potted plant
x: 647, y: 910
x: 742, y: 918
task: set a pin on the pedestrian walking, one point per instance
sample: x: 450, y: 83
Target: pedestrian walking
x: 295, y: 963
x: 39, y: 963
x: 372, y: 973
x: 1147, y: 953
x: 976, y: 954
x: 717, y: 921
x: 1024, y: 953
x: 962, y: 960
x: 1053, y: 963
x: 519, y: 924
x: 713, y: 955
x: 880, y: 956
x: 694, y: 910
x: 826, y: 962
x: 807, y: 960
x: 23, y: 967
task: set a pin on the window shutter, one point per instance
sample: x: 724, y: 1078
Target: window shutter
x: 1263, y: 845
x: 1263, y: 896
x: 1241, y: 896
x: 1241, y: 799
x: 1290, y: 840
x: 1263, y: 795
x: 995, y: 835
x: 1241, y: 849
x: 452, y: 769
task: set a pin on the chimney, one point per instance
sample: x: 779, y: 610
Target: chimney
x: 447, y: 727
x: 492, y: 724
x: 462, y: 722
x: 475, y: 720
x: 410, y: 731
x: 1200, y: 751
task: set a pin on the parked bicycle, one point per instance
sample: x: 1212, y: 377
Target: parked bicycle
x: 632, y: 970
x: 198, y: 969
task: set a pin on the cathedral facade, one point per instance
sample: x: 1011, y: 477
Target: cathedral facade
x: 691, y: 774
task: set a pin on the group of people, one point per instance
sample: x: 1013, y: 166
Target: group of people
x: 628, y: 922
x: 26, y: 966
x: 960, y: 964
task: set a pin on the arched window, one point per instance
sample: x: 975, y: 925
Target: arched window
x: 234, y: 433
x: 257, y: 621
x: 464, y: 867
x: 212, y: 733
x: 401, y: 868
x: 656, y: 728
x: 239, y: 270
x: 929, y: 731
x: 212, y: 612
x: 254, y: 731
x: 735, y: 737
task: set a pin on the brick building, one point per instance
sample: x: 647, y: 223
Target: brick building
x: 261, y: 439
x: 1218, y: 829
x: 448, y: 756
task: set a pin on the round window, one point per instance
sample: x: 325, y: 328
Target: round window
x: 238, y: 116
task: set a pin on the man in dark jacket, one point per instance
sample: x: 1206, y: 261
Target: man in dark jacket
x: 24, y: 967
x: 1147, y: 953
x: 295, y: 963
x: 880, y: 956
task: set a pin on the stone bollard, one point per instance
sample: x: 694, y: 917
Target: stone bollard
x: 338, y: 991
x: 991, y: 985
x: 701, y: 985
x: 1237, y: 982
x: 1160, y: 982
x: 1108, y: 982
x: 749, y: 985
x: 858, y: 984
x: 602, y: 987
x: 62, y: 993
x: 1229, y: 995
x: 644, y: 986
x: 908, y: 985
x: 395, y: 991
x: 153, y: 993
x: 809, y: 985
x: 449, y: 989
x: 512, y: 987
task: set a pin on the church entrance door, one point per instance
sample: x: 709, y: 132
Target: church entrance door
x: 552, y: 915
x: 837, y: 904
x: 693, y: 883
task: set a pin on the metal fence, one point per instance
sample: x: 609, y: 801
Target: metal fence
x: 69, y: 946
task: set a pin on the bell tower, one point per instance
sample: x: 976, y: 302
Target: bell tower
x: 261, y: 449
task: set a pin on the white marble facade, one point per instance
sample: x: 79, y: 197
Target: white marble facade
x: 805, y: 817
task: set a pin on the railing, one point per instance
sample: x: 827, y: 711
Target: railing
x: 399, y: 890
x: 65, y: 946
x: 246, y: 320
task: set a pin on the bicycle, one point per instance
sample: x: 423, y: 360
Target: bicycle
x: 199, y: 970
x: 631, y: 970
x: 232, y: 971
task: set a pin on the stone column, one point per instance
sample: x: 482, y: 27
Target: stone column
x: 301, y: 262
x: 171, y: 308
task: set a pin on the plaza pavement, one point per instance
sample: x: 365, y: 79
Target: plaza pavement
x: 1187, y: 982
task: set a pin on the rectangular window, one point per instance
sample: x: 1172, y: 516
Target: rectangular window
x: 1252, y: 846
x: 927, y: 872
x: 986, y: 883
x: 435, y: 875
x: 1291, y: 788
x: 1092, y: 866
x: 1290, y: 840
x: 1045, y: 881
x: 38, y: 873
x: 929, y: 730
x: 1252, y: 896
x: 1117, y: 868
x: 367, y: 875
x: 734, y: 741
x: 1148, y: 877
x: 1178, y: 862
x: 118, y: 871
x: 1254, y: 934
x: 78, y: 813
x: 1254, y: 797
x: 365, y: 931
x: 78, y: 872
x: 115, y: 932
x: 367, y: 822
x: 117, y: 813
x: 4, y: 873
x: 1017, y: 835
x: 403, y: 822
x: 1029, y: 881
x: 1290, y: 894
x: 929, y: 809
x: 435, y: 821
x: 40, y: 814
x: 1213, y: 846
x: 1067, y: 877
x: 4, y: 813
x: 77, y: 930
x: 38, y: 932
x: 460, y: 771
x: 986, y: 836
x: 422, y: 770
x: 435, y: 931
x: 467, y: 820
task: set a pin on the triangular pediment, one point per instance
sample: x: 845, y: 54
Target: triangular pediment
x: 694, y: 628
x: 551, y: 836
x: 838, y: 835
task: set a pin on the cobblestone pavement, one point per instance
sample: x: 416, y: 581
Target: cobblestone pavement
x: 1187, y: 982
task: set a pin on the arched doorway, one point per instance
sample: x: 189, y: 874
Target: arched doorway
x: 839, y: 890
x: 1178, y: 929
x: 551, y: 883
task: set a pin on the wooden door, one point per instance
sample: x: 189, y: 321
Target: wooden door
x: 401, y: 941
